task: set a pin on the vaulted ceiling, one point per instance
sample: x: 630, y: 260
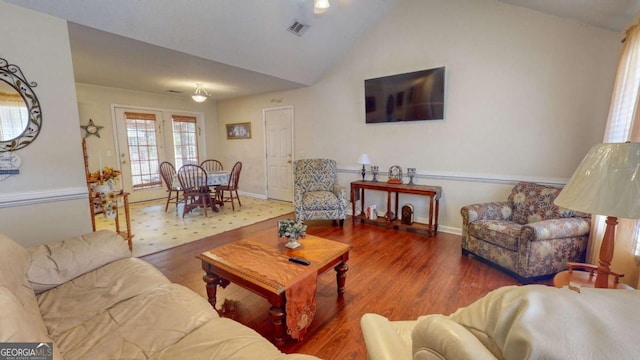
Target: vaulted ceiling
x: 241, y: 47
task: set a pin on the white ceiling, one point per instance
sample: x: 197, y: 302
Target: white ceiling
x: 241, y: 47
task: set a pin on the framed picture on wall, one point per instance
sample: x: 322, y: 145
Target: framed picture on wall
x: 238, y: 131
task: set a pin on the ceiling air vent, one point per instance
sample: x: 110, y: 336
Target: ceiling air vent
x: 298, y: 28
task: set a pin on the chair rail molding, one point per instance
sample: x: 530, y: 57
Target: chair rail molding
x: 470, y: 177
x: 41, y: 197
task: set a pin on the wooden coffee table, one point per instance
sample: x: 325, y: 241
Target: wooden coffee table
x: 261, y: 264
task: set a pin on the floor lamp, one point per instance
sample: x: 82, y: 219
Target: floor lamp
x: 607, y: 182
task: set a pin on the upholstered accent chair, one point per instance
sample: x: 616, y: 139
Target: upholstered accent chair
x: 316, y: 192
x: 527, y: 235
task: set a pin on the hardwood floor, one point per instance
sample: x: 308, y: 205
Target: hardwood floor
x: 398, y: 274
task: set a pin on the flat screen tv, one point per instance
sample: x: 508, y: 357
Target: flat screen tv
x: 413, y: 96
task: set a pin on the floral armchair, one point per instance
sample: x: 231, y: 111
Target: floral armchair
x: 528, y: 235
x: 316, y: 192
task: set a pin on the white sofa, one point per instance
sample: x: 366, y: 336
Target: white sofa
x: 517, y: 322
x: 92, y: 300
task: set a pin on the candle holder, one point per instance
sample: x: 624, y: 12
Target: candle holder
x: 374, y: 171
x: 411, y: 172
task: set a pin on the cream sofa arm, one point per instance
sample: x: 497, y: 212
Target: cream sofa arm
x: 56, y: 263
x: 386, y: 340
x: 438, y: 337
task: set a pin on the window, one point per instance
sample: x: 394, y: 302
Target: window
x: 13, y: 116
x: 185, y: 140
x: 143, y: 150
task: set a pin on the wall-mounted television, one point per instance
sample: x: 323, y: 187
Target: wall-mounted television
x: 413, y: 96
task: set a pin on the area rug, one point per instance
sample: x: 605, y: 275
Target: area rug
x: 154, y: 230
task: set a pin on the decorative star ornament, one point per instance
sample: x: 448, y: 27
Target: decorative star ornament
x: 91, y: 129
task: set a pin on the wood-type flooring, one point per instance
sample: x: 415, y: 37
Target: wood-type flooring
x: 401, y: 275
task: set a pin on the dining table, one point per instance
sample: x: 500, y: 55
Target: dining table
x: 213, y: 178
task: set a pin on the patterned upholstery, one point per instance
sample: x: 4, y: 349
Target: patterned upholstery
x: 528, y: 235
x: 316, y: 192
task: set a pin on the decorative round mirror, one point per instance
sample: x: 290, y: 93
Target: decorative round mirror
x: 20, y: 114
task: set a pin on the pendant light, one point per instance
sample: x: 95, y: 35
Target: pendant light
x: 200, y: 95
x: 320, y: 6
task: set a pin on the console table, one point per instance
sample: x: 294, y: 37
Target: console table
x: 433, y: 192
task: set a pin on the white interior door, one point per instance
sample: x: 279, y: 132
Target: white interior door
x: 279, y: 152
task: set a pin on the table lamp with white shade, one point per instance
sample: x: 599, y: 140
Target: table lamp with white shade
x: 364, y: 160
x: 607, y: 182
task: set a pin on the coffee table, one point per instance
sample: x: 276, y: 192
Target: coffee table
x: 260, y: 264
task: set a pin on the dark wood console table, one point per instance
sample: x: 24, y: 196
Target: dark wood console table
x: 433, y: 192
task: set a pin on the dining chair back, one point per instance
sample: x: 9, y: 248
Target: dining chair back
x: 168, y: 172
x: 211, y: 165
x: 193, y: 180
x: 231, y: 187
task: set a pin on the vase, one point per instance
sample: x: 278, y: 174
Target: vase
x: 102, y: 189
x: 109, y: 205
x: 110, y: 209
x: 293, y: 242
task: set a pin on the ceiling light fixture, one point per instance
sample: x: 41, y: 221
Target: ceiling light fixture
x: 320, y: 6
x: 200, y: 95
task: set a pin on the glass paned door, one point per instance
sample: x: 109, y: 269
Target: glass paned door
x: 185, y: 140
x: 146, y: 138
x: 143, y: 150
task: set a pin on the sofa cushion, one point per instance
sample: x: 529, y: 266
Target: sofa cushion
x: 319, y: 200
x: 21, y: 319
x: 138, y: 327
x: 76, y: 301
x: 14, y: 262
x: 20, y: 323
x: 223, y: 339
x: 543, y: 322
x: 505, y: 234
x: 54, y: 264
x: 533, y: 202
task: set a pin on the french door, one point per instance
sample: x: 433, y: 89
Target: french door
x: 145, y: 138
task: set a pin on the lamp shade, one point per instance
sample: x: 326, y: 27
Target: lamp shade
x: 607, y: 182
x: 364, y: 159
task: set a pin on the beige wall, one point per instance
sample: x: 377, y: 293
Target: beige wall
x: 527, y: 94
x: 48, y: 199
x: 97, y: 102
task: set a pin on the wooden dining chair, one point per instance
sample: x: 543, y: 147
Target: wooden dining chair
x: 231, y: 187
x: 168, y: 172
x: 211, y: 165
x: 193, y: 180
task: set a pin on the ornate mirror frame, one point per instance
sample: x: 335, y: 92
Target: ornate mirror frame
x: 12, y: 75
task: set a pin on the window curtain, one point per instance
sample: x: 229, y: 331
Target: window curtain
x: 623, y: 124
x: 14, y: 116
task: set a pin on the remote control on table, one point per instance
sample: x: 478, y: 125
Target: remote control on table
x: 299, y: 260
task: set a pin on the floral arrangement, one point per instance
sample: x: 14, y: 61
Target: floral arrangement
x: 292, y: 229
x: 106, y: 174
